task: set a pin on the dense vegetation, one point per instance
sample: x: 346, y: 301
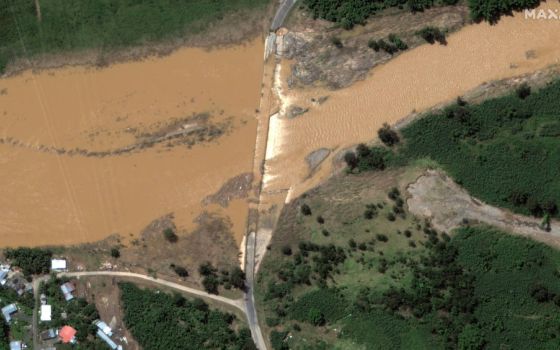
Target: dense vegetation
x: 492, y: 10
x: 504, y: 151
x: 32, y: 261
x: 481, y: 289
x: 75, y: 25
x: 351, y: 12
x: 79, y: 313
x: 348, y: 13
x: 165, y: 321
x: 212, y: 279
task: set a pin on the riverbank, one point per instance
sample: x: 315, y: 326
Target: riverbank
x: 98, y: 34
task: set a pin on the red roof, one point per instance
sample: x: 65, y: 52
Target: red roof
x: 66, y: 334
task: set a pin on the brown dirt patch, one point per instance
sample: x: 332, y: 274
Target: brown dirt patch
x: 105, y: 294
x: 435, y: 196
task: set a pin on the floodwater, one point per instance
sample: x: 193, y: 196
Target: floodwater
x: 413, y: 81
x: 53, y: 198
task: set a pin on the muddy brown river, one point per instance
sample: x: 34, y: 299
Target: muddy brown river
x: 55, y: 198
x: 50, y: 198
x: 413, y: 81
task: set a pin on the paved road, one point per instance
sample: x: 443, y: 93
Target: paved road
x: 249, y: 295
x: 281, y: 14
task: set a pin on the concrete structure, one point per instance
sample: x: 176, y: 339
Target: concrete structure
x: 8, y: 311
x: 58, y: 265
x: 108, y: 340
x: 67, y: 289
x: 49, y: 334
x: 16, y: 345
x: 46, y: 312
x: 104, y: 327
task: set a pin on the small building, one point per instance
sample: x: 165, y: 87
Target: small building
x: 104, y: 327
x: 16, y: 345
x: 43, y: 299
x: 46, y: 312
x: 67, y: 334
x: 67, y: 289
x: 49, y: 334
x: 108, y: 340
x: 58, y: 265
x: 3, y: 276
x: 8, y: 311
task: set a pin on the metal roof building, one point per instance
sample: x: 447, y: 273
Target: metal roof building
x: 67, y: 289
x: 8, y: 310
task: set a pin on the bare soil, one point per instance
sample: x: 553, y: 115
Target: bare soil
x: 105, y: 293
x: 435, y: 196
x: 318, y: 62
x: 152, y: 254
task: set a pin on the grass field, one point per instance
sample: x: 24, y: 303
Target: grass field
x: 71, y: 25
x: 504, y: 151
x: 479, y: 288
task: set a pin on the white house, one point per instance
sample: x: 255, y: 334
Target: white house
x: 58, y: 264
x: 46, y: 312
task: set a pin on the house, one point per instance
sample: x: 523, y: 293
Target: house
x: 43, y: 299
x: 67, y: 334
x: 46, y: 311
x: 67, y: 289
x: 103, y: 327
x: 16, y: 345
x: 58, y: 265
x: 3, y: 276
x: 108, y: 340
x: 49, y: 334
x: 8, y: 311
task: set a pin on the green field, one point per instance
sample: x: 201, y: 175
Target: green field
x: 504, y: 151
x: 332, y: 281
x: 70, y: 25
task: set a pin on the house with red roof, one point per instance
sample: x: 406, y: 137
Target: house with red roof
x: 67, y: 334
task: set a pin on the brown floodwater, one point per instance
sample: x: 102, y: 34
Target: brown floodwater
x: 50, y: 198
x: 413, y: 81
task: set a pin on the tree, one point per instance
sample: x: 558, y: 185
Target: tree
x: 287, y: 250
x: 211, y: 284
x: 351, y: 159
x: 320, y: 219
x: 206, y: 269
x: 170, y: 235
x: 337, y: 42
x: 32, y: 261
x: 432, y: 34
x: 305, y: 209
x: 115, y: 252
x: 180, y: 271
x: 237, y: 278
x: 374, y: 45
x: 523, y: 91
x: 471, y: 338
x: 387, y: 135
x: 316, y: 317
x: 363, y: 150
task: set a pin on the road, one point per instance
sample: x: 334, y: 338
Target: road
x: 281, y: 14
x: 250, y: 308
x: 246, y: 305
x: 239, y: 303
